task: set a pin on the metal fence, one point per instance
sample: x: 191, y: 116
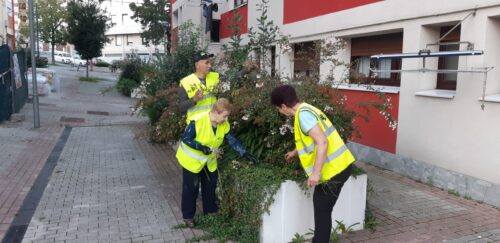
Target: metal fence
x: 13, y: 95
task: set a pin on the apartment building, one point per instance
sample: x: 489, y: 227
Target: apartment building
x: 7, y: 23
x: 447, y: 107
x: 125, y: 35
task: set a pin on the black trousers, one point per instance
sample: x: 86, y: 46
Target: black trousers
x: 324, y: 198
x: 190, y: 187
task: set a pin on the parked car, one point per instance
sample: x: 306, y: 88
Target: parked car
x: 76, y: 60
x: 62, y: 57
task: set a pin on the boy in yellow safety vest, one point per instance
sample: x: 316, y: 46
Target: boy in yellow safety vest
x: 197, y: 155
x: 323, y: 155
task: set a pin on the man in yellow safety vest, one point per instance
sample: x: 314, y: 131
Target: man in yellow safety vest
x: 323, y: 155
x: 196, y: 93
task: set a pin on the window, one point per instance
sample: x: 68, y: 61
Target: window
x: 362, y: 66
x: 111, y: 40
x: 273, y: 61
x: 112, y: 18
x: 214, y: 33
x: 448, y: 81
x: 306, y: 60
x: 129, y: 40
x: 124, y: 18
x: 119, y: 40
x: 239, y: 2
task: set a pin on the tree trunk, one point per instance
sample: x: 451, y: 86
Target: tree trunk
x: 53, y: 60
x: 87, y: 66
x: 52, y: 37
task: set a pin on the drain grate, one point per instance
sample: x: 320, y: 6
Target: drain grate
x: 46, y: 104
x: 71, y: 119
x: 102, y: 113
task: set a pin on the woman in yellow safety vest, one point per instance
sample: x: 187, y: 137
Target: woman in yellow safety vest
x: 197, y: 155
x: 323, y: 155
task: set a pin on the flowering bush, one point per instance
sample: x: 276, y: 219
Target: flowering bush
x: 246, y: 191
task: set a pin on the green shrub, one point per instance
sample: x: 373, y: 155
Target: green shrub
x: 125, y: 86
x: 132, y: 69
x: 162, y: 78
x: 89, y: 79
x: 102, y: 64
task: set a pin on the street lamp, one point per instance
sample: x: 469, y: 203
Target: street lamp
x: 36, y: 114
x: 166, y: 26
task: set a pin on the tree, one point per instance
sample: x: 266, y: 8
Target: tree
x: 87, y: 25
x: 53, y: 13
x: 266, y: 35
x: 154, y: 18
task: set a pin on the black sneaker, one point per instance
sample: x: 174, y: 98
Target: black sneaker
x: 189, y: 223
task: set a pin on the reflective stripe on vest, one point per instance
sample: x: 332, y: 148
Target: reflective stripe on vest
x: 193, y: 155
x: 194, y: 160
x: 309, y: 149
x: 192, y: 84
x: 329, y: 158
x: 338, y: 155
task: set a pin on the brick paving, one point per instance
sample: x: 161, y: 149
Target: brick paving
x: 409, y: 211
x: 103, y: 189
x: 23, y: 152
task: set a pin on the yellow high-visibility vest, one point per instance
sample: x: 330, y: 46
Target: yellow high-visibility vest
x: 338, y: 156
x: 194, y: 160
x: 192, y: 84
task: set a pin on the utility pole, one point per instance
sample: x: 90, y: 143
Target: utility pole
x: 37, y: 12
x: 36, y: 114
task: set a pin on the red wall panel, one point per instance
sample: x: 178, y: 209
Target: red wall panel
x: 376, y: 132
x: 225, y: 21
x: 297, y: 10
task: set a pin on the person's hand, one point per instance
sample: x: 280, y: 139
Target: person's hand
x: 290, y: 155
x: 251, y: 158
x: 198, y: 95
x: 206, y: 150
x: 313, y: 179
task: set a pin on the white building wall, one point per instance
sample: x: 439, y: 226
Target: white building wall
x: 3, y: 21
x: 125, y: 29
x: 192, y: 11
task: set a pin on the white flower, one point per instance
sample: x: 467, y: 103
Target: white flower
x: 259, y: 84
x: 273, y: 132
x: 328, y: 108
x: 225, y: 86
x: 393, y: 125
x: 245, y: 117
x: 283, y: 129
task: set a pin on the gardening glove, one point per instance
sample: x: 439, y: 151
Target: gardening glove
x: 250, y: 157
x: 206, y: 150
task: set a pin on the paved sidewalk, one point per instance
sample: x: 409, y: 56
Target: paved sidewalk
x: 409, y: 211
x: 102, y: 189
x: 24, y: 150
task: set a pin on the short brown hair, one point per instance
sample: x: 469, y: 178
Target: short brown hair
x: 221, y: 105
x: 284, y: 95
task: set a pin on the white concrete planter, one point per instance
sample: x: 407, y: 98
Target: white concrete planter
x: 292, y: 210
